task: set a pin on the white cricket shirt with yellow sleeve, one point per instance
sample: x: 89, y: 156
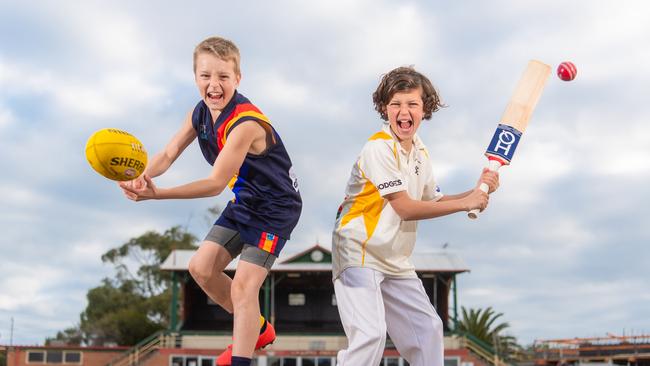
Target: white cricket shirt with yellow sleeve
x: 368, y: 232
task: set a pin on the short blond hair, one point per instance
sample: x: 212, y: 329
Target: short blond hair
x: 220, y: 47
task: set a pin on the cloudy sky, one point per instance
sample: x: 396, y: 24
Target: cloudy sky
x: 562, y: 250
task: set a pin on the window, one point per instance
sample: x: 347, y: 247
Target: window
x: 35, y: 356
x: 324, y: 361
x: 191, y: 360
x: 452, y: 361
x: 391, y: 361
x: 285, y: 361
x: 289, y: 361
x: 296, y: 299
x: 54, y: 357
x: 72, y: 357
x: 308, y: 361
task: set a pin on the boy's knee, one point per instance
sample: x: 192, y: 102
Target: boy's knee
x: 242, y: 292
x: 377, y: 338
x: 200, y: 273
x: 437, y: 328
x: 373, y: 335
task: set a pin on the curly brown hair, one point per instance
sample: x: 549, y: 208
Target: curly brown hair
x: 405, y: 79
x: 222, y: 48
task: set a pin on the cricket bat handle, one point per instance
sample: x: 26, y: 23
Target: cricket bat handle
x: 494, y: 165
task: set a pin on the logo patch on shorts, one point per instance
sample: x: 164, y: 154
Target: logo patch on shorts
x: 267, y: 242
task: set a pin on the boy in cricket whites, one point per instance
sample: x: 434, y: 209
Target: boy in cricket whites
x: 391, y: 187
x: 247, y: 155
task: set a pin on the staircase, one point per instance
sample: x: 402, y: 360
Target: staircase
x: 481, y: 349
x: 137, y: 355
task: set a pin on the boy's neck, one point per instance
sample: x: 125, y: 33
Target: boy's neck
x: 214, y: 114
x: 407, y: 145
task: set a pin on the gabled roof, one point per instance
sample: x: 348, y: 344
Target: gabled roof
x: 307, y: 255
x: 319, y: 259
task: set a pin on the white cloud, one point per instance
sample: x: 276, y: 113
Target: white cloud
x: 104, y: 94
x: 21, y: 78
x: 22, y: 197
x: 6, y: 117
x: 279, y: 90
x: 22, y: 288
x: 115, y: 95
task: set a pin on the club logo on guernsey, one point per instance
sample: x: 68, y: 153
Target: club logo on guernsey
x: 294, y: 179
x: 503, y: 144
x: 203, y: 134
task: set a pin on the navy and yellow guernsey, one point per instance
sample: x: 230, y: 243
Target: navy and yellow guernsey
x: 265, y: 188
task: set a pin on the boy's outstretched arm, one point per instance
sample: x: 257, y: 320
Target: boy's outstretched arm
x: 162, y: 160
x: 491, y: 178
x: 225, y: 167
x: 410, y: 209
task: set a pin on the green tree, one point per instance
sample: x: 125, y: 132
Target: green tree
x: 135, y: 304
x: 146, y: 253
x: 3, y: 359
x: 482, y: 324
x: 117, y: 313
x: 70, y: 336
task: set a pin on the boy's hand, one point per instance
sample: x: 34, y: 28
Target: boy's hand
x: 476, y: 199
x: 139, y: 189
x: 490, y: 178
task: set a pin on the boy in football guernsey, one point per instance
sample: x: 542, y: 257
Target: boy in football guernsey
x: 248, y: 156
x: 391, y: 187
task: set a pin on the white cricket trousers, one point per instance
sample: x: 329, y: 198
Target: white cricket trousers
x: 371, y: 303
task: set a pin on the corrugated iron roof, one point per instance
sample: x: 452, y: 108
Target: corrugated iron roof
x: 425, y: 261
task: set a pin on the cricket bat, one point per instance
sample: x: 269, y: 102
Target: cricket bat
x: 515, y: 119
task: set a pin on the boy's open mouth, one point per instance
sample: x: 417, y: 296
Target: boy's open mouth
x: 214, y: 96
x: 405, y: 125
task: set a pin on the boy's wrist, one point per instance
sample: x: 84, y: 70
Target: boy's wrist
x: 464, y: 204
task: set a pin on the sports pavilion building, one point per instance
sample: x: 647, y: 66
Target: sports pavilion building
x: 298, y: 299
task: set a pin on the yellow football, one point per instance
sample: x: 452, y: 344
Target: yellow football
x: 116, y: 154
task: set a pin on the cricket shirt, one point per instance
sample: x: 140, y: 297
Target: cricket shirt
x: 368, y: 232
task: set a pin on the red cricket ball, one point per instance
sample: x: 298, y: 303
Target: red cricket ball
x: 567, y: 71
